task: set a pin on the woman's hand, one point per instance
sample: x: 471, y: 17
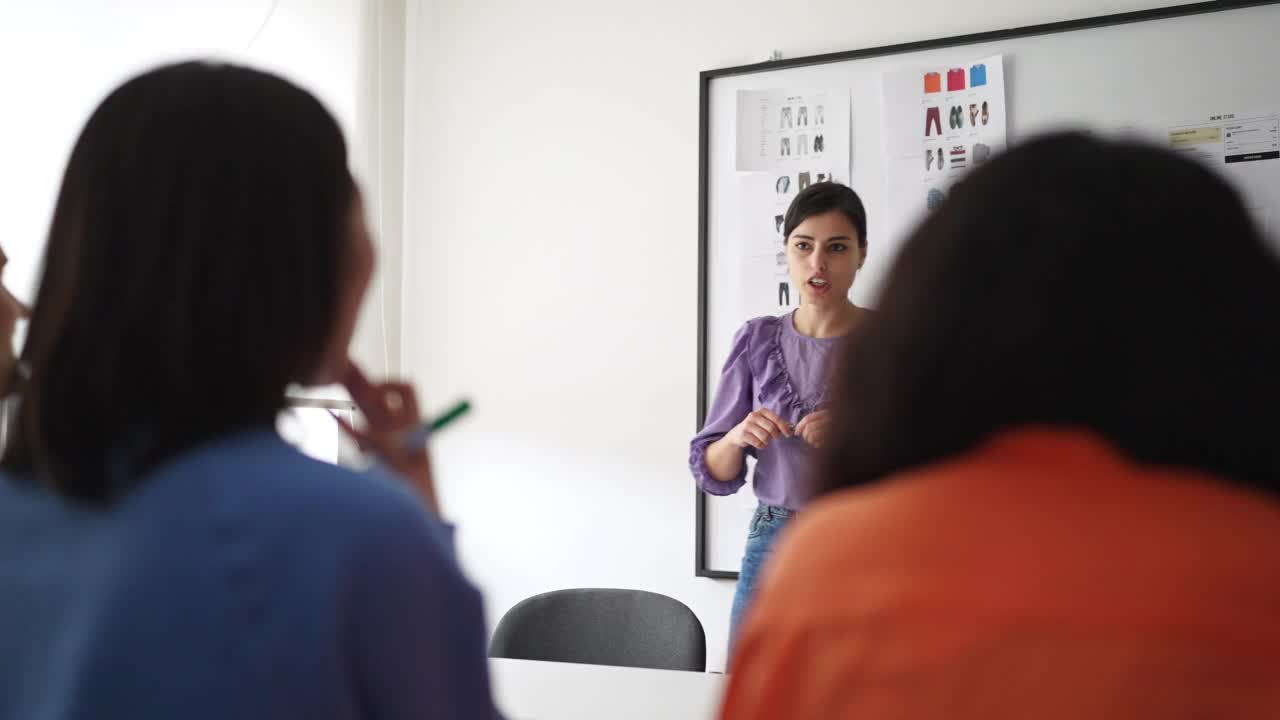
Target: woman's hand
x: 758, y: 429
x: 813, y: 427
x: 390, y: 410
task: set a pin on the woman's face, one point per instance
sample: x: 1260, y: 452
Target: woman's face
x: 357, y: 270
x: 823, y: 257
x: 11, y: 311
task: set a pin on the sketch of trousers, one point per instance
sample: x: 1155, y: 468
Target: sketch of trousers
x: 804, y: 180
x: 802, y: 118
x: 818, y: 118
x: 786, y: 146
x: 802, y: 144
x: 783, y: 186
x: 818, y: 143
x: 785, y: 122
x: 784, y: 294
x: 932, y: 116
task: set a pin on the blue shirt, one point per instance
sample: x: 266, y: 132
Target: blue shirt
x: 240, y: 580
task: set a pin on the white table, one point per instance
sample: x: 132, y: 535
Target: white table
x: 535, y: 690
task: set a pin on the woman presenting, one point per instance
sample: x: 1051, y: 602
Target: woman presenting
x: 774, y: 383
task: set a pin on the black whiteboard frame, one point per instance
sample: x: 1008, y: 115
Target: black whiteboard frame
x: 701, y: 568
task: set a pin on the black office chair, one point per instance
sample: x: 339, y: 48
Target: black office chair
x: 631, y: 628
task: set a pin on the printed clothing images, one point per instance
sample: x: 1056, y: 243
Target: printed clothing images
x: 978, y: 75
x: 784, y: 294
x: 935, y: 198
x: 931, y: 159
x: 777, y: 130
x: 783, y: 186
x: 920, y: 169
x: 932, y: 117
x: 804, y: 180
x: 777, y: 221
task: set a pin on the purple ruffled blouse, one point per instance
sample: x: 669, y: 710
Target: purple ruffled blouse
x: 773, y: 366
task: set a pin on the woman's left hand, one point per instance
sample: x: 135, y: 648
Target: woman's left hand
x: 813, y: 427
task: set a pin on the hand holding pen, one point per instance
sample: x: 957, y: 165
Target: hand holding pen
x: 392, y: 423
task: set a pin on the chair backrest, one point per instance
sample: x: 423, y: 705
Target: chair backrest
x: 632, y: 628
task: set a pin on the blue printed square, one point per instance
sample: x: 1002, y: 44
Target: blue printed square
x: 978, y: 75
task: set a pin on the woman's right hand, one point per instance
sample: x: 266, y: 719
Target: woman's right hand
x: 758, y: 429
x: 390, y: 410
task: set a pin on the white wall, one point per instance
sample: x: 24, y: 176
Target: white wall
x: 59, y: 58
x: 550, y: 263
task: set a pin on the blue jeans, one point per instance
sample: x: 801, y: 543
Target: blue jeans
x: 766, y: 523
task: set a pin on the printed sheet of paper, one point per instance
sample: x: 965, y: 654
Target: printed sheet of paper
x: 939, y: 123
x: 1245, y: 148
x: 788, y: 131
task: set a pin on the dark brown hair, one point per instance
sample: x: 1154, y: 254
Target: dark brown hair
x: 824, y: 197
x: 1072, y: 282
x: 192, y: 272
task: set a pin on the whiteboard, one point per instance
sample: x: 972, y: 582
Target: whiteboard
x: 1138, y: 73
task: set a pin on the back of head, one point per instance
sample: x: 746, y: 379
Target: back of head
x: 192, y: 272
x: 1072, y: 282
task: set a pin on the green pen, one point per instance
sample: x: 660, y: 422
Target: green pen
x: 417, y: 437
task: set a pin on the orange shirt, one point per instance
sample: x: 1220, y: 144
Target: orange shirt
x: 1041, y: 576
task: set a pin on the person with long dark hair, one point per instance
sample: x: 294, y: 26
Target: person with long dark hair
x: 1051, y: 487
x: 163, y: 552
